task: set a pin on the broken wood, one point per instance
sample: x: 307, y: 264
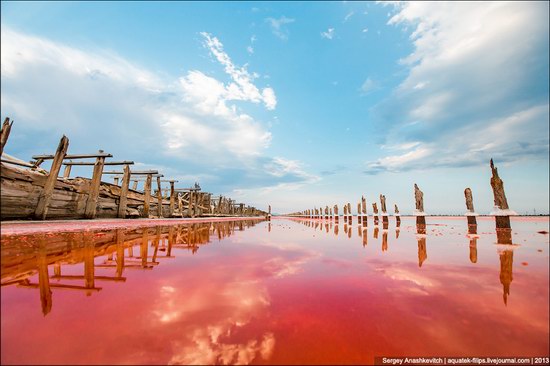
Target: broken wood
x: 5, y: 134
x: 74, y: 156
x: 46, y: 194
x: 91, y: 204
x: 121, y: 211
x: 159, y: 198
x: 147, y: 192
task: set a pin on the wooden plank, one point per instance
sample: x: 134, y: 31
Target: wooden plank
x: 20, y: 163
x: 93, y: 194
x: 159, y: 198
x: 91, y: 163
x: 121, y: 213
x: 5, y: 133
x: 134, y: 186
x: 134, y: 172
x: 147, y: 192
x: 46, y: 194
x: 74, y: 156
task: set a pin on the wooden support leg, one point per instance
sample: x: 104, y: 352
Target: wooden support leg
x: 46, y: 194
x: 172, y: 199
x: 147, y: 193
x: 121, y: 213
x: 67, y: 171
x: 159, y: 198
x: 93, y: 194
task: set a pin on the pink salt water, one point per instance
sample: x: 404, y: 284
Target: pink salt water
x: 286, y: 291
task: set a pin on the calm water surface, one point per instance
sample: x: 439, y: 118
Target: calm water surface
x: 285, y: 291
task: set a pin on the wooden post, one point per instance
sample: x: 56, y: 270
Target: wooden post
x: 397, y: 215
x: 159, y: 198
x: 502, y: 221
x: 470, y: 214
x: 375, y: 213
x: 93, y: 194
x: 46, y: 194
x: 419, y: 201
x: 147, y: 193
x: 172, y: 198
x: 115, y: 181
x: 336, y: 217
x: 364, y: 210
x: 121, y: 213
x: 67, y: 171
x: 134, y: 186
x: 5, y: 133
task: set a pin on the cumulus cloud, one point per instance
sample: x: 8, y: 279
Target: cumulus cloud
x: 475, y: 68
x: 278, y: 26
x: 329, y: 34
x: 101, y: 100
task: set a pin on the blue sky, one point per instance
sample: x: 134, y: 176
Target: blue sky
x: 292, y: 104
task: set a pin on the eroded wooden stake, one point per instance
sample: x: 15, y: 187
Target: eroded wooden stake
x: 147, y: 193
x: 93, y: 194
x: 46, y: 194
x: 121, y: 213
x: 5, y: 133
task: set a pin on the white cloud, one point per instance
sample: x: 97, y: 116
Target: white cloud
x: 368, y: 86
x: 278, y: 26
x: 329, y: 34
x: 365, y: 30
x: 474, y: 68
x: 348, y: 15
x: 250, y: 50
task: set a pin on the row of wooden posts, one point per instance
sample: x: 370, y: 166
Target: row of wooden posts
x: 502, y: 214
x: 195, y: 199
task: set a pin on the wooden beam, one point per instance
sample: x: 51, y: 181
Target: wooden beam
x: 75, y: 156
x: 121, y: 213
x: 159, y: 198
x: 106, y: 163
x: 135, y: 172
x: 20, y: 163
x: 46, y: 194
x: 147, y: 199
x: 5, y: 133
x: 172, y: 197
x: 93, y: 194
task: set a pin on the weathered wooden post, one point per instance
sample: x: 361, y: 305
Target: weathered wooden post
x: 397, y: 215
x: 470, y: 213
x: 93, y: 194
x: 147, y: 195
x: 501, y: 211
x: 350, y: 218
x: 359, y: 218
x: 330, y: 214
x: 336, y: 217
x: 384, y: 211
x: 134, y: 186
x: 5, y: 134
x: 172, y: 197
x: 364, y: 210
x: 345, y: 214
x: 46, y: 194
x: 121, y: 212
x: 375, y: 233
x: 326, y: 212
x: 67, y: 171
x: 375, y: 213
x: 384, y: 240
x: 115, y: 179
x: 159, y: 198
x: 419, y: 201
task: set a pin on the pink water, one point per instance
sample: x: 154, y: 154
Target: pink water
x: 279, y: 292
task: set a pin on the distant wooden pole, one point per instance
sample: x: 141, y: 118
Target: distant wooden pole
x: 172, y: 198
x: 147, y: 195
x: 336, y: 217
x: 364, y: 210
x: 470, y: 214
x: 93, y: 194
x: 67, y: 171
x: 159, y: 198
x: 134, y: 186
x: 121, y: 212
x: 115, y: 181
x: 501, y: 203
x: 46, y: 194
x: 5, y: 133
x: 375, y: 213
x: 419, y: 201
x: 397, y: 216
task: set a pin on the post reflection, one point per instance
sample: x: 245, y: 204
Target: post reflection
x: 26, y: 258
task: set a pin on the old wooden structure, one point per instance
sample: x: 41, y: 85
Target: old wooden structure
x: 31, y: 192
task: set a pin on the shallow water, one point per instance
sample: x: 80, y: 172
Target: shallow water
x: 286, y: 291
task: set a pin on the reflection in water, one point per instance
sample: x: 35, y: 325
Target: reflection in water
x: 506, y: 264
x: 422, y: 253
x: 375, y: 233
x: 473, y: 250
x: 384, y: 240
x: 397, y: 230
x: 365, y: 237
x: 24, y: 256
x: 336, y: 229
